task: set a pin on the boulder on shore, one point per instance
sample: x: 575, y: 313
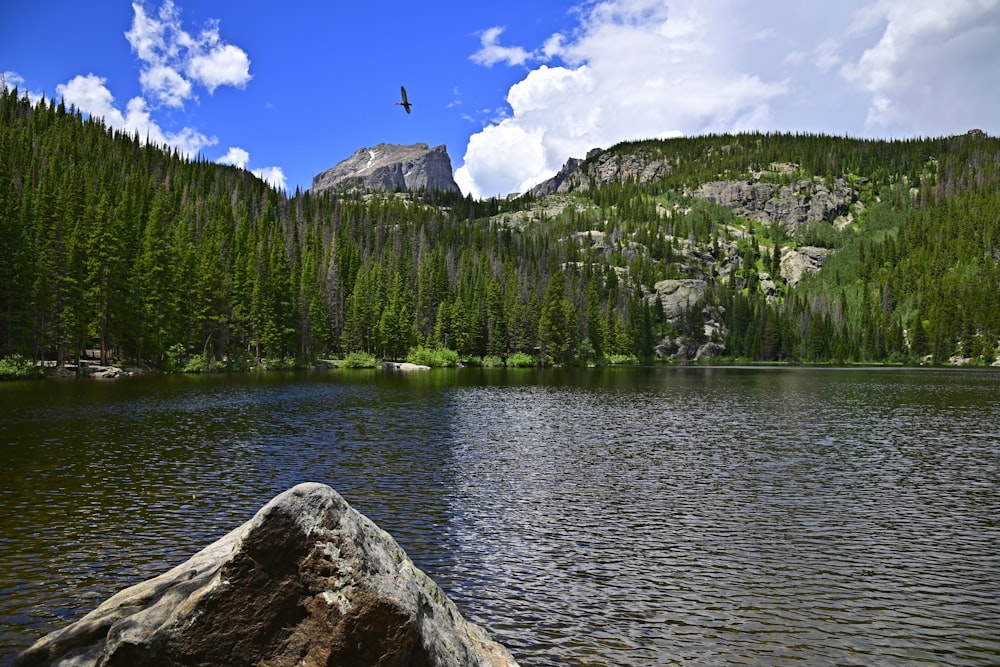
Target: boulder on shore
x: 308, y: 581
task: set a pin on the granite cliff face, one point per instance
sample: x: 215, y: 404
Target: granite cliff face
x: 601, y: 167
x: 798, y: 202
x: 309, y: 581
x: 802, y: 201
x: 389, y: 167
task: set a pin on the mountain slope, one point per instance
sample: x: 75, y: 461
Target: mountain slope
x: 758, y: 247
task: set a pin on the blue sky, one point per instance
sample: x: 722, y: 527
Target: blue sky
x: 514, y: 88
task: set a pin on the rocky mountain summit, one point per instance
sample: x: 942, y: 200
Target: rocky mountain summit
x: 388, y: 167
x: 308, y: 581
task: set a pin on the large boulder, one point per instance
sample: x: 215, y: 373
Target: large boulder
x: 308, y: 581
x: 677, y: 296
x: 796, y: 263
x: 389, y: 167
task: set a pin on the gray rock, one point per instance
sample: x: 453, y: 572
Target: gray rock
x: 551, y: 186
x: 404, y: 366
x: 805, y: 201
x: 710, y: 350
x: 308, y: 581
x: 678, y: 295
x: 602, y: 167
x: 796, y: 263
x: 389, y: 167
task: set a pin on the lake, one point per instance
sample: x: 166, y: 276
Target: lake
x: 610, y: 516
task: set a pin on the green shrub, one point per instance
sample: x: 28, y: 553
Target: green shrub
x: 239, y: 363
x: 174, y: 358
x: 521, y: 360
x: 16, y: 367
x: 615, y: 359
x: 203, y: 363
x: 359, y: 360
x: 492, y: 361
x: 436, y: 357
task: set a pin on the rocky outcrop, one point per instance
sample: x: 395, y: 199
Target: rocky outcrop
x: 799, y: 202
x: 804, y: 201
x: 551, y: 186
x: 602, y: 167
x: 308, y: 581
x: 795, y: 263
x: 390, y: 167
x: 677, y: 297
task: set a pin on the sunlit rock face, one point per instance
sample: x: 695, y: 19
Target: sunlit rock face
x: 390, y: 167
x: 308, y: 581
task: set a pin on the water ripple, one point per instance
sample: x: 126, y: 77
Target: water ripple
x: 621, y: 517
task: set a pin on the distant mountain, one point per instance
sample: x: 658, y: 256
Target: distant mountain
x: 389, y: 167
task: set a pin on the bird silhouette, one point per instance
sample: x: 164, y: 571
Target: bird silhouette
x: 406, y: 102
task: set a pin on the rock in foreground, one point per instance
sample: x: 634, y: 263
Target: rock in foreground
x: 307, y: 581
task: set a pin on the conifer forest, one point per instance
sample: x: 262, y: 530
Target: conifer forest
x: 133, y: 253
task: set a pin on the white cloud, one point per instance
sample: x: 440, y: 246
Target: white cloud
x: 167, y: 84
x: 635, y: 69
x: 173, y: 61
x: 90, y: 95
x: 933, y: 67
x: 274, y: 176
x: 827, y: 55
x: 10, y: 79
x: 223, y: 65
x: 491, y: 52
x: 238, y: 157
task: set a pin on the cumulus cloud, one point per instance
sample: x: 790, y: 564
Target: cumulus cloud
x: 491, y: 52
x: 238, y: 157
x: 929, y: 62
x: 90, y: 95
x: 634, y: 69
x: 174, y: 61
x: 10, y: 79
x: 274, y: 176
x: 223, y: 65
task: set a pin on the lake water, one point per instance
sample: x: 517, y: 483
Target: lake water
x: 622, y: 516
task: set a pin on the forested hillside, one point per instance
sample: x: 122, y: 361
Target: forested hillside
x: 111, y: 244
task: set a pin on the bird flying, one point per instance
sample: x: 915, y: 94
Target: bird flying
x: 406, y: 102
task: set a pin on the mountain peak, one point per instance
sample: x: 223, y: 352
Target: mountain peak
x: 389, y: 167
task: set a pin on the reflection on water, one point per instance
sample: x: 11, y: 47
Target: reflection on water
x: 690, y: 516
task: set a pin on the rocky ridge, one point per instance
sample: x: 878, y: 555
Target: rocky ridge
x: 776, y: 196
x: 389, y: 167
x: 307, y: 582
